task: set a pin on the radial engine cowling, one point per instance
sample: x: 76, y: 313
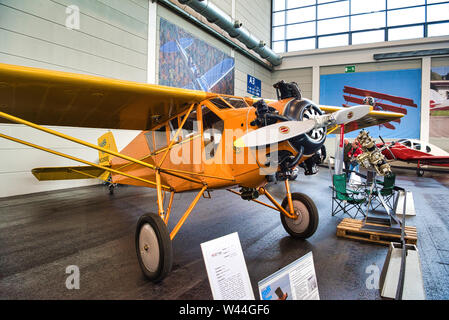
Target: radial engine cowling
x: 304, y: 109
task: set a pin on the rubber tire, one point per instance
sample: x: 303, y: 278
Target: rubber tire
x: 313, y: 216
x: 165, y: 247
x: 419, y: 172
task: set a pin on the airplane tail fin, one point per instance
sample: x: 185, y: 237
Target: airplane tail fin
x: 81, y: 172
x: 106, y: 141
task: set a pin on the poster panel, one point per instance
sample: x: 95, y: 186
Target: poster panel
x: 439, y: 106
x: 297, y: 281
x: 191, y: 63
x: 396, y: 91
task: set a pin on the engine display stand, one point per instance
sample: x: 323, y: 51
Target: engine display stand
x: 385, y: 223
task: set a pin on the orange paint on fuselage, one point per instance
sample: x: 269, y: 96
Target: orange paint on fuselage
x: 224, y: 166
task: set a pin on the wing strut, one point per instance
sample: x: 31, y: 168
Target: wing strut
x: 79, y: 160
x: 90, y: 145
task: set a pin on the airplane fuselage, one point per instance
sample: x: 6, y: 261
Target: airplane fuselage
x: 205, y: 149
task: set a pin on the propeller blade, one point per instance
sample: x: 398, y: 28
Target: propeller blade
x: 289, y: 129
x: 351, y: 114
x: 274, y: 133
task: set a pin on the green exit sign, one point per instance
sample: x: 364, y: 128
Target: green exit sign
x: 349, y: 69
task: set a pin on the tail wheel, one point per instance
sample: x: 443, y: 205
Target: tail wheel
x: 307, y: 222
x: 153, y: 247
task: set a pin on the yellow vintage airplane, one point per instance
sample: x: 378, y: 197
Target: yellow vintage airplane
x: 190, y: 140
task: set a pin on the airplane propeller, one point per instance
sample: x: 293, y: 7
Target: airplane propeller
x: 385, y: 146
x: 282, y: 131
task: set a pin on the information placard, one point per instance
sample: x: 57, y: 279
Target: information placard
x: 226, y: 269
x: 297, y: 281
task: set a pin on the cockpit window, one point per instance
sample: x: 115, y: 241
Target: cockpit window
x: 235, y: 102
x: 417, y: 146
x: 174, y: 125
x: 190, y: 127
x: 220, y: 103
x: 160, y: 138
x: 212, y: 132
x: 406, y: 143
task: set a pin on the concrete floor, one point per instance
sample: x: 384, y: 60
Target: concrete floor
x: 42, y: 234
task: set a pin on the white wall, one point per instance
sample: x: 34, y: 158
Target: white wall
x: 112, y: 41
x: 117, y: 39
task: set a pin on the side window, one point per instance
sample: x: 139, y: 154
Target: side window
x: 220, y: 103
x: 160, y: 138
x: 149, y: 137
x: 417, y: 146
x: 428, y: 150
x: 212, y: 132
x: 174, y: 125
x: 407, y: 144
x: 190, y: 128
x: 235, y: 102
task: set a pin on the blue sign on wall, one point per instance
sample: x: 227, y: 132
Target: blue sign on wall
x: 254, y: 86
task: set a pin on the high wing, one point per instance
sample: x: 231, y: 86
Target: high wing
x: 66, y: 99
x: 372, y: 119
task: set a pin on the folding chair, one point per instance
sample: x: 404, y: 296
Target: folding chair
x: 343, y: 199
x: 387, y: 192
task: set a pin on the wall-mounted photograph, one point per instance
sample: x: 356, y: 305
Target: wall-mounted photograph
x: 191, y: 63
x: 394, y: 91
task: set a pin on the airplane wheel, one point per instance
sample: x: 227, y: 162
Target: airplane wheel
x: 307, y: 222
x: 154, y: 247
x: 419, y: 172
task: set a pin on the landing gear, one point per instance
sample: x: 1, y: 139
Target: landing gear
x: 307, y: 222
x: 154, y: 247
x: 112, y: 187
x: 299, y: 215
x: 419, y: 172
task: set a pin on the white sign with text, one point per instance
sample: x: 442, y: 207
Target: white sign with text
x: 226, y: 269
x: 297, y: 281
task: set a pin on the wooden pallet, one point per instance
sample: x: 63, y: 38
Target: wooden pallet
x: 352, y: 229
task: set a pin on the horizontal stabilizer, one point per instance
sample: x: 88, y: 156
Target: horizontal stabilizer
x: 69, y: 173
